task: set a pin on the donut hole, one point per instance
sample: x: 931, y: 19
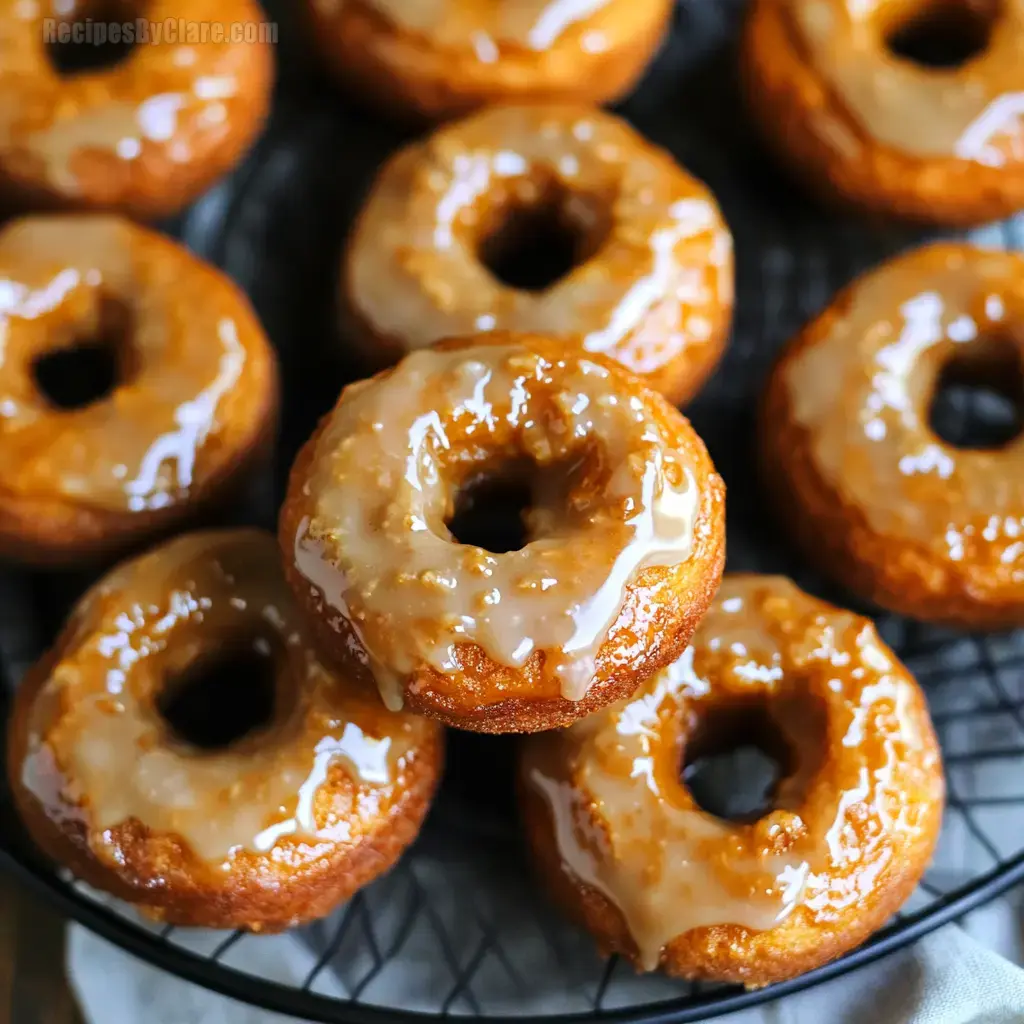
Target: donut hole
x: 943, y: 34
x: 77, y: 377
x: 490, y: 513
x: 504, y: 507
x: 221, y: 698
x: 735, y: 762
x: 88, y: 369
x: 978, y: 401
x: 539, y: 234
x: 86, y: 45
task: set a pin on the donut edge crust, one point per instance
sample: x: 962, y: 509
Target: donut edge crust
x: 53, y: 534
x: 783, y: 94
x: 402, y: 76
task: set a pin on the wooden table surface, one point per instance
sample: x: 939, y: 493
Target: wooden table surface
x: 33, y: 989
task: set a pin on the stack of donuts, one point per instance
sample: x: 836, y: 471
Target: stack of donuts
x: 391, y: 606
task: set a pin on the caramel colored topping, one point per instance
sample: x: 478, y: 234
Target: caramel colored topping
x: 191, y: 357
x: 164, y: 106
x: 865, y: 774
x: 660, y: 263
x: 482, y: 25
x: 612, y: 496
x: 862, y: 390
x: 974, y: 112
x: 100, y: 751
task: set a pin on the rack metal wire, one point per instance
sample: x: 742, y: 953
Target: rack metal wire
x: 458, y: 928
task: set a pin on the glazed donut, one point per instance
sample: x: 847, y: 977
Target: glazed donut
x: 872, y: 494
x: 146, y: 136
x: 191, y: 409
x: 651, y: 277
x: 626, y: 848
x: 497, y: 640
x: 441, y: 58
x: 263, y: 832
x: 872, y: 128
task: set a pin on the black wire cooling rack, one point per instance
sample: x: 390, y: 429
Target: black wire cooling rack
x: 459, y: 928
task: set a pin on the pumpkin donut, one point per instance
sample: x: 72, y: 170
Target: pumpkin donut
x: 871, y: 493
x: 647, y: 275
x: 264, y: 831
x: 189, y: 412
x: 863, y: 122
x: 623, y: 844
x: 447, y: 57
x: 146, y: 136
x: 623, y: 537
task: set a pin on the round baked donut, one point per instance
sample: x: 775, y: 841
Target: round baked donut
x: 879, y: 130
x: 872, y: 494
x: 191, y: 408
x: 622, y: 547
x: 623, y: 844
x: 263, y: 831
x: 446, y: 57
x: 650, y: 275
x: 146, y: 136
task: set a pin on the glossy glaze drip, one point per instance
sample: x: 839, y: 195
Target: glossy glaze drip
x: 192, y: 345
x: 165, y: 102
x: 387, y: 469
x: 625, y: 825
x: 975, y: 112
x: 485, y: 26
x: 96, y: 731
x: 666, y: 258
x: 863, y: 392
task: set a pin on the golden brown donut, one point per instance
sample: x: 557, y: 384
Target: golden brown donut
x: 146, y: 136
x: 191, y: 411
x: 873, y: 496
x: 624, y: 846
x: 439, y: 58
x: 865, y: 125
x: 267, y: 831
x: 651, y: 285
x: 623, y: 548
